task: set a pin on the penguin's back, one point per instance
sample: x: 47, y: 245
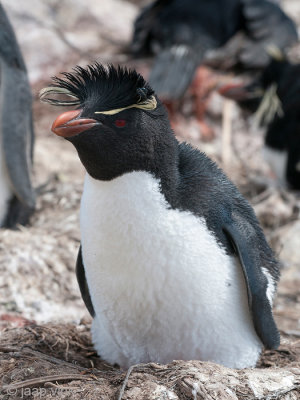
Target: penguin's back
x: 161, y: 284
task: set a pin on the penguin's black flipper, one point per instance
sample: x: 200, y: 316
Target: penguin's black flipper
x: 17, y: 132
x: 173, y: 71
x: 257, y: 285
x: 16, y: 116
x: 83, y: 286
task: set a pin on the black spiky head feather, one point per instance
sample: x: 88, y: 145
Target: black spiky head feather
x: 108, y: 87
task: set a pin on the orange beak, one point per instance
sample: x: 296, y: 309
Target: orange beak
x: 68, y: 124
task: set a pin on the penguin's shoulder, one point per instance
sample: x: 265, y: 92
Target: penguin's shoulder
x: 206, y: 191
x: 9, y: 48
x: 203, y: 187
x: 143, y: 26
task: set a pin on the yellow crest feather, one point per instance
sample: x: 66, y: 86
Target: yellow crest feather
x: 149, y: 104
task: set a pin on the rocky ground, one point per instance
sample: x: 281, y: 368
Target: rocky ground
x: 45, y: 341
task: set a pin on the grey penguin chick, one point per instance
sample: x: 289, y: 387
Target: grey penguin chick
x: 173, y: 263
x: 17, y: 197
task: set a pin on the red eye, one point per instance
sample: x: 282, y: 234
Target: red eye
x: 120, y: 123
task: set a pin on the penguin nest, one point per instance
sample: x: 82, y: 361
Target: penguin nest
x: 58, y: 361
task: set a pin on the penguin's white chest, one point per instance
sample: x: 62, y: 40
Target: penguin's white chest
x: 161, y: 286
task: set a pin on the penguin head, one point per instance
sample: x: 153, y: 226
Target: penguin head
x: 119, y: 125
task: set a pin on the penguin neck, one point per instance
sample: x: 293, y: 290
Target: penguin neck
x: 161, y: 162
x: 165, y: 167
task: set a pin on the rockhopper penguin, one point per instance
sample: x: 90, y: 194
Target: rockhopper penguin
x: 17, y: 197
x: 179, y: 34
x: 173, y: 263
x: 274, y: 97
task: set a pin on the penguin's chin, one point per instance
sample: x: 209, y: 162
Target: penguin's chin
x: 70, y: 124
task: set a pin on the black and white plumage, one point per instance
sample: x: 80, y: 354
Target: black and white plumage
x: 173, y: 263
x: 179, y: 34
x: 17, y: 198
x: 275, y: 98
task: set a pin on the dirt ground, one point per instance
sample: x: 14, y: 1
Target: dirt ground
x: 45, y: 342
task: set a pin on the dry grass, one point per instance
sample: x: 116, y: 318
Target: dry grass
x: 60, y: 359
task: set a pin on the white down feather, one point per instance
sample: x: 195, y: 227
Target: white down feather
x: 161, y: 286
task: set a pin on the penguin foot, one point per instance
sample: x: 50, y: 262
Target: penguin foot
x: 17, y: 214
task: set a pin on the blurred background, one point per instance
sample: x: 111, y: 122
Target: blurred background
x: 37, y: 262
